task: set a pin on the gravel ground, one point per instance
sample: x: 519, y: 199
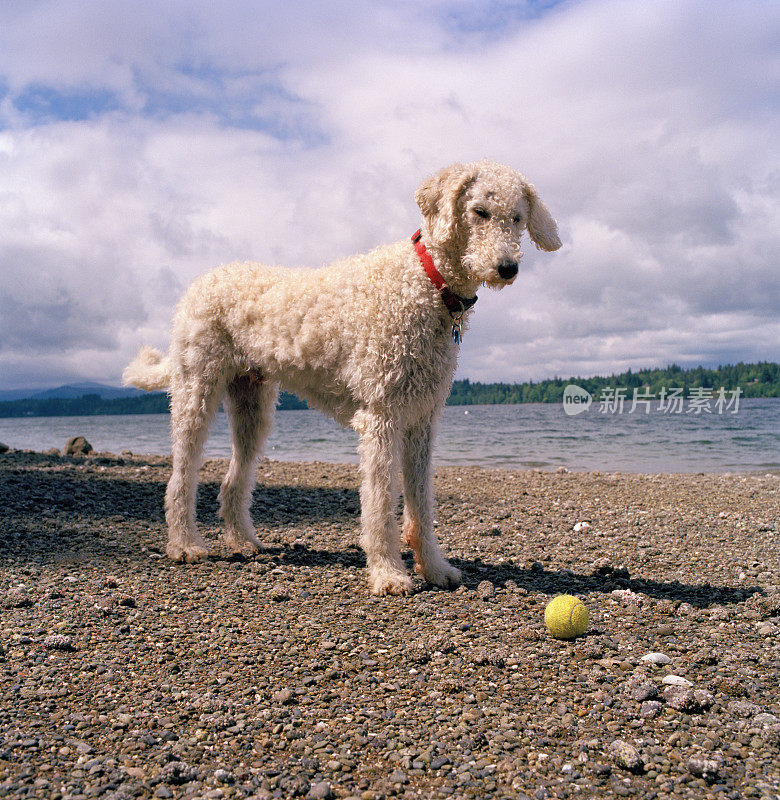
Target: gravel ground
x: 124, y: 675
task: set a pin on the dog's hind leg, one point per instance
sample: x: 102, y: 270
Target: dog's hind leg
x: 418, y: 507
x: 251, y: 403
x: 193, y: 403
x: 378, y: 497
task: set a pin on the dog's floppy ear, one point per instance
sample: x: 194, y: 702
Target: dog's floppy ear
x: 541, y: 226
x: 438, y: 198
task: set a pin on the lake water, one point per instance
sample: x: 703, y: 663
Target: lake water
x: 505, y: 436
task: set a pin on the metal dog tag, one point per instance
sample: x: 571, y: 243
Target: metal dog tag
x: 456, y: 331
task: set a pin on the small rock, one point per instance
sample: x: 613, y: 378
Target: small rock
x: 59, y: 642
x: 683, y: 698
x: 646, y: 690
x: 765, y: 719
x: 178, y: 773
x: 626, y: 756
x: 680, y: 697
x: 279, y: 593
x: 767, y: 606
x: 398, y: 776
x: 704, y: 768
x: 731, y: 687
x: 105, y: 606
x: 485, y: 590
x: 223, y: 776
x: 589, y: 650
x: 284, y: 697
x: 77, y: 445
x: 133, y: 772
x: 439, y: 762
x: 482, y: 656
x: 650, y: 709
x: 320, y: 790
x: 581, y: 526
x: 295, y: 786
x: 704, y: 657
x: 703, y: 698
x: 675, y: 680
x: 767, y: 629
x: 659, y: 659
x: 627, y: 597
x: 163, y: 791
x: 17, y: 598
x: 418, y: 653
x: 742, y: 708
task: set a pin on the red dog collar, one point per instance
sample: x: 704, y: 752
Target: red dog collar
x: 455, y: 303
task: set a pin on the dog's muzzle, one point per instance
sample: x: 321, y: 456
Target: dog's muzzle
x: 507, y: 270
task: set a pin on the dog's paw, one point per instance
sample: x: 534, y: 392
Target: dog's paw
x: 386, y: 582
x: 243, y: 545
x: 191, y: 553
x: 443, y: 575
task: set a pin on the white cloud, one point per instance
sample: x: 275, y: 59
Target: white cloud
x: 295, y: 134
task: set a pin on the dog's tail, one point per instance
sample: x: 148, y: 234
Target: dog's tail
x: 149, y: 370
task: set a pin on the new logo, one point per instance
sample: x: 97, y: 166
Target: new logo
x: 576, y: 400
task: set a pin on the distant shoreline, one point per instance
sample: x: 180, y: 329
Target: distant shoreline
x: 759, y: 380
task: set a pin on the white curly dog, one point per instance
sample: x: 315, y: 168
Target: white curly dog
x: 371, y: 340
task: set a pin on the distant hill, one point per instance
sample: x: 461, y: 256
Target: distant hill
x: 92, y: 399
x: 72, y: 391
x: 75, y: 390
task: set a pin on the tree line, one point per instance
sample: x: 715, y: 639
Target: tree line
x: 90, y: 405
x: 755, y: 380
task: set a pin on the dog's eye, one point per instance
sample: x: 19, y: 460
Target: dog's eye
x: 517, y: 219
x: 480, y: 212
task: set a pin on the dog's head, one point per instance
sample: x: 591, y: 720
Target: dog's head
x: 475, y: 214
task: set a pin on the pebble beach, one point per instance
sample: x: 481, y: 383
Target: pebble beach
x: 125, y: 675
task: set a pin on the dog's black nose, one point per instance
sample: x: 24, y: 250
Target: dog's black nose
x: 507, y: 269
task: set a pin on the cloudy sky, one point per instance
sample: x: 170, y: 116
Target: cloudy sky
x: 143, y: 143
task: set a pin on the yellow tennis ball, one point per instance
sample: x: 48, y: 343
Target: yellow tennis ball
x: 566, y: 617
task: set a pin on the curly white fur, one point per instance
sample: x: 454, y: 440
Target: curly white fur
x: 367, y: 340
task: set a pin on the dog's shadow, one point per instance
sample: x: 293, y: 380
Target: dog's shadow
x: 49, y: 513
x: 531, y: 579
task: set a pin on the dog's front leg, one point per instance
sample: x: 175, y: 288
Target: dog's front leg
x: 378, y: 498
x: 418, y: 507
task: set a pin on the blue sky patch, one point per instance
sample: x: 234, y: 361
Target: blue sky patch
x: 44, y: 104
x: 244, y: 100
x: 496, y: 17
